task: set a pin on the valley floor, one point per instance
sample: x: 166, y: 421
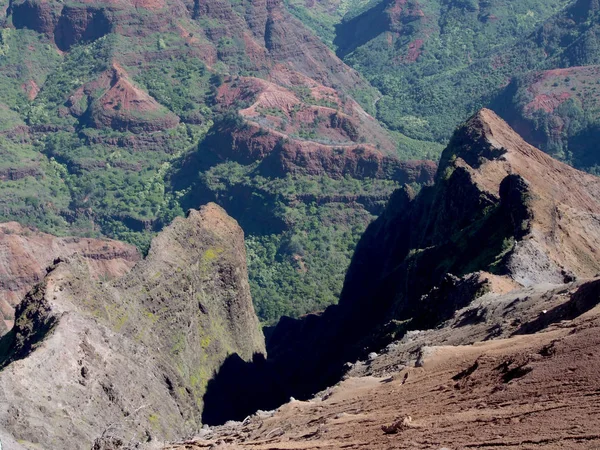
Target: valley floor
x: 522, y: 392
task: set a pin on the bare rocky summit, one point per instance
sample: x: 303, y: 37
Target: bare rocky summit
x: 129, y: 358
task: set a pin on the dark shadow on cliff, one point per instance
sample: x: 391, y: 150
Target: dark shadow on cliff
x: 240, y: 389
x: 388, y: 290
x: 354, y: 33
x: 306, y: 355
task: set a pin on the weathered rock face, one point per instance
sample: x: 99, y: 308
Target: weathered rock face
x: 80, y: 24
x: 131, y: 357
x: 266, y: 33
x: 452, y: 390
x: 27, y: 253
x: 66, y: 25
x: 391, y: 16
x: 292, y: 135
x: 502, y: 215
x: 493, y: 188
x: 313, y: 112
x: 280, y: 155
x: 113, y: 101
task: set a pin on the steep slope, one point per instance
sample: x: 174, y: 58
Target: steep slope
x: 492, y: 187
x: 115, y: 103
x: 441, y: 50
x: 27, y: 253
x: 304, y: 169
x: 468, y: 51
x: 502, y: 216
x: 129, y: 358
x: 522, y: 391
x: 303, y: 127
x: 523, y: 201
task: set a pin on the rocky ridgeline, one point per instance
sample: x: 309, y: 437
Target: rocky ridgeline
x: 343, y: 139
x: 269, y: 34
x: 129, y: 358
x: 502, y: 216
x: 502, y: 244
x: 27, y: 253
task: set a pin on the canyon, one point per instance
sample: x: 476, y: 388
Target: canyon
x: 497, y: 335
x: 299, y: 224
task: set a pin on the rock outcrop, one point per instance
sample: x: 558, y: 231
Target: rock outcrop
x: 304, y: 128
x: 130, y: 358
x: 113, y: 101
x: 279, y: 155
x: 438, y: 389
x: 499, y: 205
x: 27, y: 253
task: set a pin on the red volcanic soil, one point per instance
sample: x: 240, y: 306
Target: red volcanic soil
x: 524, y: 392
x: 547, y: 103
x: 119, y: 104
x: 552, y: 88
x: 307, y: 128
x: 402, y: 8
x: 31, y: 89
x: 303, y: 110
x: 122, y: 93
x: 414, y: 50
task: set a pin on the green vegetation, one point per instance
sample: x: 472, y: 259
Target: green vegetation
x: 419, y: 72
x: 430, y: 65
x: 570, y: 128
x: 300, y: 235
x: 322, y: 17
x: 437, y: 62
x: 79, y: 178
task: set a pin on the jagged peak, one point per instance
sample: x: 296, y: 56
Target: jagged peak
x: 490, y: 150
x: 487, y: 137
x: 501, y: 137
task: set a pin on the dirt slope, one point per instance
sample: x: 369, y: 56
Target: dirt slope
x: 517, y: 392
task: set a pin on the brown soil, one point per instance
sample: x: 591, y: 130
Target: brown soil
x: 318, y: 115
x: 564, y: 201
x: 121, y: 105
x: 123, y: 94
x: 552, y: 88
x: 524, y: 392
x: 31, y: 89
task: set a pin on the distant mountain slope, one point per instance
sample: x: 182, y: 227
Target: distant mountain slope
x: 304, y: 170
x: 102, y: 102
x: 437, y: 62
x: 557, y: 110
x: 421, y: 53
